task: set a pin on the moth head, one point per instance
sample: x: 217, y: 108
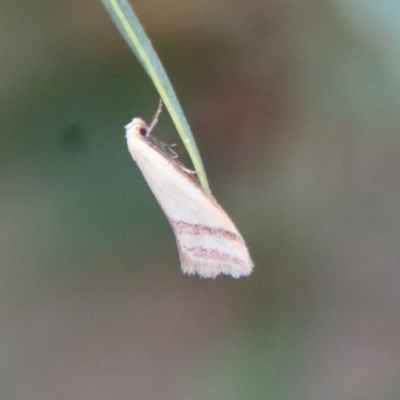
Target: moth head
x: 136, y: 128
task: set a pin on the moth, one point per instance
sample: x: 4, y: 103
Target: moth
x: 208, y: 242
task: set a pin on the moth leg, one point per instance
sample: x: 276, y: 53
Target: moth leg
x: 189, y: 171
x: 173, y: 152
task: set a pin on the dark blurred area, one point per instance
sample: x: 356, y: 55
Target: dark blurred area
x: 295, y: 108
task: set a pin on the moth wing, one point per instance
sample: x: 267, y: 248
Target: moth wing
x: 209, y: 243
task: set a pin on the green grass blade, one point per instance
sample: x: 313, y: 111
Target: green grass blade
x: 134, y: 34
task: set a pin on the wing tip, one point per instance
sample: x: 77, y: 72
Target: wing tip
x: 211, y: 268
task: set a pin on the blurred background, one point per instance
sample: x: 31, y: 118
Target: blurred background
x: 295, y: 108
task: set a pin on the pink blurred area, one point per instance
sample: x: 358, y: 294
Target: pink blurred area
x: 294, y: 106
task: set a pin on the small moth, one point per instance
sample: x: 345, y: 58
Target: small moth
x: 208, y: 242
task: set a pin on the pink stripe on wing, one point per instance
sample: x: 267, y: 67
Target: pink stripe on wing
x: 215, y: 255
x: 185, y: 228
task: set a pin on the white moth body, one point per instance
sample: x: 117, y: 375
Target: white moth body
x: 208, y: 242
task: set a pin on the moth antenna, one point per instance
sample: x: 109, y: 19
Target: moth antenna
x: 155, y: 118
